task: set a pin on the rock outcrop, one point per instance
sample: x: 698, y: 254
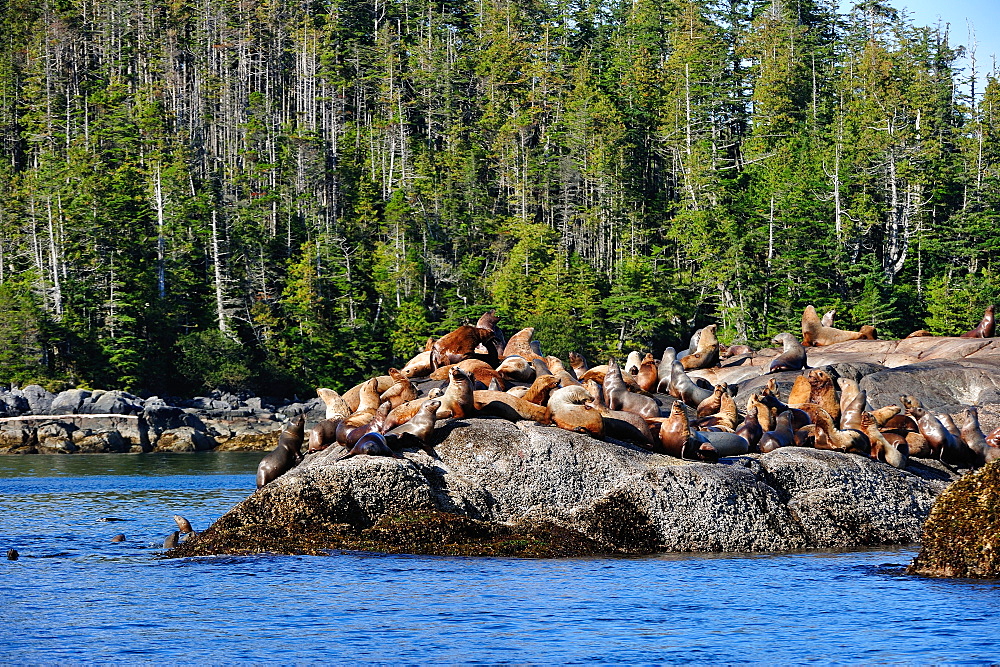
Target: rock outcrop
x: 962, y: 535
x: 495, y: 482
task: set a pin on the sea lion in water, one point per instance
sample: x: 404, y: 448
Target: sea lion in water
x: 815, y: 334
x: 707, y: 354
x: 172, y: 540
x: 285, y: 456
x: 985, y: 328
x: 183, y: 525
x: 792, y: 357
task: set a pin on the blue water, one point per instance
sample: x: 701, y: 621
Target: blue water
x: 74, y: 596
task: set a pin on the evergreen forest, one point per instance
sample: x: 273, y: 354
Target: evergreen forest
x: 274, y: 195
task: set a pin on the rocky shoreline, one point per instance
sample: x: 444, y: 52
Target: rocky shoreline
x: 78, y: 421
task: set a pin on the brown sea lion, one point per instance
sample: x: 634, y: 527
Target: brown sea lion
x: 815, y: 334
x: 353, y: 395
x: 647, y: 376
x: 183, y: 525
x: 401, y: 392
x: 456, y: 401
x: 677, y: 439
x: 489, y: 321
x: 571, y: 410
x: 323, y: 434
x: 712, y: 404
x: 827, y: 319
x: 502, y: 404
x: 632, y: 363
x: 375, y: 425
x: 516, y: 368
x: 750, y: 430
x: 336, y: 406
x: 792, y: 357
x: 849, y: 389
x: 285, y: 456
x: 557, y: 368
x: 369, y: 398
x: 520, y: 344
x: 419, y: 366
x: 852, y: 411
x: 707, y: 354
x: 942, y: 443
x: 618, y: 397
x: 920, y: 333
x: 724, y: 443
x: 578, y: 363
x: 895, y: 454
x: 480, y: 371
x: 818, y: 390
x: 985, y: 328
x: 974, y: 438
x: 849, y: 441
x: 459, y: 345
x: 419, y: 428
x: 540, y: 389
x: 725, y: 418
x: 781, y: 436
x: 619, y: 424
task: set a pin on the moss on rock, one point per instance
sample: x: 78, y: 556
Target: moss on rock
x: 962, y: 534
x: 424, y: 532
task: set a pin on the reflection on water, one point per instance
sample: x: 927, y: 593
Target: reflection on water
x: 76, y: 596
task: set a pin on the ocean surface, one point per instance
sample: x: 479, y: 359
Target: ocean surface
x: 75, y: 596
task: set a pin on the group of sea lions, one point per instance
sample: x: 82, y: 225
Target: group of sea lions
x: 654, y: 404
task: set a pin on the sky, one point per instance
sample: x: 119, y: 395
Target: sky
x: 984, y: 16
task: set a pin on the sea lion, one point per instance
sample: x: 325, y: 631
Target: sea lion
x: 920, y: 333
x: 541, y: 368
x: 852, y: 411
x: 12, y: 554
x: 323, y: 434
x: 459, y: 344
x: 815, y: 334
x: 418, y: 366
x: 895, y: 454
x: 619, y: 424
x: 457, y: 401
x: 712, y: 404
x: 336, y: 406
x: 353, y: 395
x: 400, y: 392
x: 973, y: 436
x: 664, y: 370
x: 578, y: 363
x: 942, y: 443
x: 985, y: 328
x: 285, y: 456
x: 571, y: 410
x: 725, y: 418
x: 420, y: 427
x: 781, y: 436
x: 618, y: 397
x: 707, y: 353
x: 750, y: 430
x: 819, y: 391
x: 677, y: 439
x: 502, y: 404
x: 849, y: 389
x: 172, y: 540
x: 516, y: 368
x: 648, y: 374
x: 120, y: 537
x: 827, y: 319
x: 348, y: 436
x: 792, y: 357
x: 518, y: 391
x: 183, y: 525
x: 692, y: 345
x: 540, y: 389
x: 849, y: 441
x: 372, y: 444
x: 724, y: 443
x: 632, y: 362
x: 489, y: 321
x: 480, y: 371
x: 557, y: 368
x: 684, y: 388
x: 520, y: 344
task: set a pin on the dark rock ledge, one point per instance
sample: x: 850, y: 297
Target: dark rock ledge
x: 517, y: 489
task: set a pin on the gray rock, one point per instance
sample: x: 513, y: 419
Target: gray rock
x: 623, y: 497
x: 89, y: 441
x: 55, y: 438
x: 39, y: 399
x: 68, y: 402
x: 941, y: 385
x: 112, y: 402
